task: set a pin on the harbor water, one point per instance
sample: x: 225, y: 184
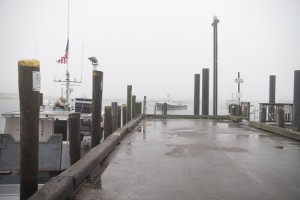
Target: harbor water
x: 8, y: 104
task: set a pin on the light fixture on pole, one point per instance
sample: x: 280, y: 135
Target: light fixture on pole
x: 94, y: 62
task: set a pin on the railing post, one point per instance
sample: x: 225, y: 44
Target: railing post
x: 74, y: 137
x: 29, y: 94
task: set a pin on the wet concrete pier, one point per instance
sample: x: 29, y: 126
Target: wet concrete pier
x: 197, y: 159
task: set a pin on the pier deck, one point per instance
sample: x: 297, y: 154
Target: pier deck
x: 197, y: 159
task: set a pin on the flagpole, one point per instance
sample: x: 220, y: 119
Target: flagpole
x: 67, y: 73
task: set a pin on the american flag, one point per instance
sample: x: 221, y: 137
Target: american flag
x: 64, y: 59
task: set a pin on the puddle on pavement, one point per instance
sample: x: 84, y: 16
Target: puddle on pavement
x: 197, y: 149
x: 279, y: 147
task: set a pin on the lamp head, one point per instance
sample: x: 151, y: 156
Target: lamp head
x: 94, y: 62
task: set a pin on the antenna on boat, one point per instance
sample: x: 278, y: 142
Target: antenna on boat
x: 82, y: 62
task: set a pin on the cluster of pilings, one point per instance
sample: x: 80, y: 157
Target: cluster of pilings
x: 275, y: 110
x: 116, y: 116
x: 30, y: 99
x: 205, y: 93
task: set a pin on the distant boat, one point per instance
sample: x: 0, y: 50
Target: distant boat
x: 171, y: 105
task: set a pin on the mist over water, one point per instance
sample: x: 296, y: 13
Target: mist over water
x: 11, y: 104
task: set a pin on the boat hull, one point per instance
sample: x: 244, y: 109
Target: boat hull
x: 171, y: 106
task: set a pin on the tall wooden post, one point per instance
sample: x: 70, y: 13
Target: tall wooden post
x: 124, y: 114
x: 107, y: 121
x: 138, y: 108
x: 114, y: 113
x: 119, y: 116
x: 272, y: 90
x: 133, y: 106
x: 165, y: 109
x: 205, y: 91
x: 74, y: 137
x: 280, y: 117
x: 129, y: 96
x: 215, y: 61
x: 197, y: 94
x: 29, y: 94
x: 296, y: 107
x: 96, y: 107
x: 263, y: 115
x: 145, y: 105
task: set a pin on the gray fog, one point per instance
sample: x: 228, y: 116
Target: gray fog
x: 157, y: 46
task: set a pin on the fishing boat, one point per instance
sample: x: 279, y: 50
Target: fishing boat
x: 53, y: 133
x: 171, y: 105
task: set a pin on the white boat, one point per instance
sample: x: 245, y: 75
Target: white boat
x: 53, y: 140
x: 171, y: 105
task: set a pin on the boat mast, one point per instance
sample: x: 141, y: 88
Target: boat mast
x: 67, y: 73
x: 67, y: 80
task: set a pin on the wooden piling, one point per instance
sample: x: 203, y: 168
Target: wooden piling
x: 164, y: 109
x: 197, y: 94
x: 205, y: 91
x: 124, y: 114
x: 129, y: 96
x: 263, y: 115
x: 138, y: 108
x: 272, y: 89
x: 29, y: 94
x: 41, y: 99
x: 280, y: 117
x: 74, y: 137
x: 296, y: 107
x: 144, y: 105
x: 114, y: 115
x: 107, y: 121
x: 119, y: 116
x: 133, y: 106
x: 96, y: 107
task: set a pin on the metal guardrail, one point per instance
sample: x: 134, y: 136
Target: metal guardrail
x: 271, y: 110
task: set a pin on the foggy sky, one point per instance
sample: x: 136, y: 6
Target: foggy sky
x: 157, y: 46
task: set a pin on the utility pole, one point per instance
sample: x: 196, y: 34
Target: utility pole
x: 215, y: 95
